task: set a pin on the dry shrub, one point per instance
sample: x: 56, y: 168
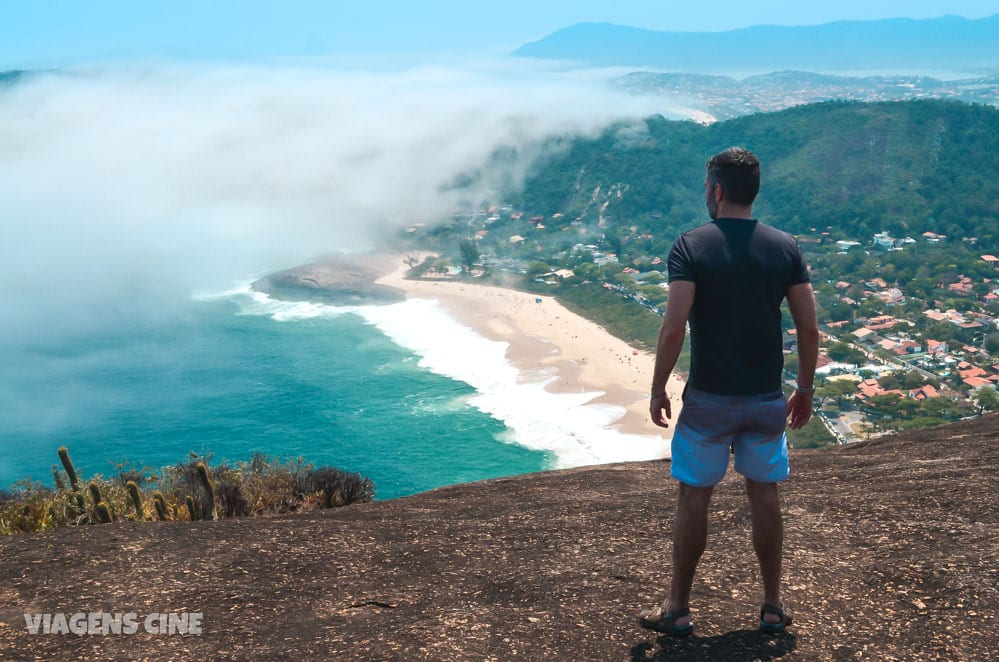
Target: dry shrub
x: 259, y: 486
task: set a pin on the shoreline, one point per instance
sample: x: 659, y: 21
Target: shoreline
x: 547, y: 342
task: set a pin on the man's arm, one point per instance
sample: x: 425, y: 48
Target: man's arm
x: 801, y: 302
x: 671, y: 335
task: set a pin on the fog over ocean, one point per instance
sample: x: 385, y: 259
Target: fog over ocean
x: 125, y: 190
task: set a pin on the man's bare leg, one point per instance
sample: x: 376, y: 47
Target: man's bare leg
x: 768, y: 539
x: 690, y: 536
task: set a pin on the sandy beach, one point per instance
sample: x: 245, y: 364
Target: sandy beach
x: 543, y: 336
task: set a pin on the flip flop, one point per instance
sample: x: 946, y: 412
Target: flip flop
x: 655, y: 619
x: 774, y: 628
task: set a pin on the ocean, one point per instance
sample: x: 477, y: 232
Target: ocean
x: 401, y: 393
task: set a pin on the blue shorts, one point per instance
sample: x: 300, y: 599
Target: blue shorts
x: 752, y: 426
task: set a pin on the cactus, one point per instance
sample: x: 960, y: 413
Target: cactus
x: 57, y: 478
x: 192, y: 508
x: 74, y: 482
x: 209, y: 487
x: 103, y: 513
x: 95, y: 493
x: 161, y: 506
x: 67, y: 464
x: 133, y: 492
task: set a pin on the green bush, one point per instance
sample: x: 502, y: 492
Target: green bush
x: 813, y: 435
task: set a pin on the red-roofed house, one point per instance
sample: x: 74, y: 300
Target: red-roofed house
x: 976, y: 382
x: 924, y: 393
x: 881, y: 323
x: 967, y: 370
x: 963, y: 286
x: 868, y: 389
x: 908, y: 347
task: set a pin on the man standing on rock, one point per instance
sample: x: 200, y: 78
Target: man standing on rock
x: 728, y: 278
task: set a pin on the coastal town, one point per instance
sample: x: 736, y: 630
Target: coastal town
x: 902, y: 353
x: 723, y: 97
x: 902, y: 346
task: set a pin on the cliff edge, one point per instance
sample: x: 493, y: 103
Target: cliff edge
x: 891, y: 553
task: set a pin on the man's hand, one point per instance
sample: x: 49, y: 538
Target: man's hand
x: 799, y: 409
x: 658, y: 405
x: 671, y: 335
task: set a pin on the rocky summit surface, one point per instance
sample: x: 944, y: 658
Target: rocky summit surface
x: 891, y: 553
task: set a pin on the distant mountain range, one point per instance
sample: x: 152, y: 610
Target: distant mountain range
x: 946, y: 43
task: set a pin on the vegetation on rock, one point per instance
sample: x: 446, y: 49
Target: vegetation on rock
x: 260, y: 486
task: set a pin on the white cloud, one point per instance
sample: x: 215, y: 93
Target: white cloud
x: 147, y: 182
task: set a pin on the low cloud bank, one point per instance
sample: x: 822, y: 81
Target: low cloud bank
x: 129, y: 187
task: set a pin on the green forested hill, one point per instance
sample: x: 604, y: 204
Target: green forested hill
x: 904, y: 167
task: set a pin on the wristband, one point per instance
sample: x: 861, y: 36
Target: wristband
x: 661, y: 396
x: 804, y: 391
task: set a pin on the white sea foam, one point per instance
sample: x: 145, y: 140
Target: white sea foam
x: 564, y: 424
x: 252, y: 302
x: 576, y: 433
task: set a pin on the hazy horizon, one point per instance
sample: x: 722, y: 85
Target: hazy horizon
x: 36, y: 35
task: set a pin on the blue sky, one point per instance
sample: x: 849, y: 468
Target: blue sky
x: 51, y: 32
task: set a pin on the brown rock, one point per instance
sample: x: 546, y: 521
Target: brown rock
x: 891, y: 554
x: 342, y: 279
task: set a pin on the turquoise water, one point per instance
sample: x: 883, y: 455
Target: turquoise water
x: 331, y: 389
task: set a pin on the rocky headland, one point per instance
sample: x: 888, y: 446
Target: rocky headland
x: 340, y: 279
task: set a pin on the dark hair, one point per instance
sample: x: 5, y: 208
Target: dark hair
x: 738, y: 171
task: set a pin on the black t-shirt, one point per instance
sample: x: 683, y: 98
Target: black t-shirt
x: 742, y: 270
